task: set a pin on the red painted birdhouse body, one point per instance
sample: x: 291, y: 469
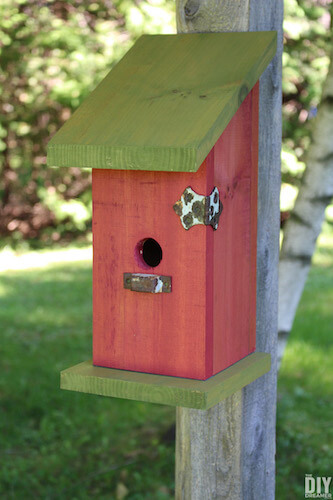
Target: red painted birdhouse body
x: 207, y: 322
x: 172, y: 137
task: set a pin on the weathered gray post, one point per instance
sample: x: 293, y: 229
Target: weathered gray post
x: 228, y: 452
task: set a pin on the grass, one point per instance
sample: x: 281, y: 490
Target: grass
x: 305, y: 386
x: 58, y: 444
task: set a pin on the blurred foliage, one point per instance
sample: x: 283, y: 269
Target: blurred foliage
x: 307, y: 38
x: 52, y: 54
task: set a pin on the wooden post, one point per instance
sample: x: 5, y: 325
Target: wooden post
x: 228, y: 452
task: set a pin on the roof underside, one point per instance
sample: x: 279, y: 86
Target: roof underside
x: 165, y: 104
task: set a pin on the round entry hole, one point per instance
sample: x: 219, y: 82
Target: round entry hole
x: 149, y: 252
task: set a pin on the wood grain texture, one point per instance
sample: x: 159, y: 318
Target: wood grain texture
x: 234, y: 246
x: 217, y: 444
x: 257, y: 419
x: 207, y: 322
x: 165, y: 104
x: 160, y: 389
x: 195, y: 16
x: 259, y: 400
x: 155, y: 333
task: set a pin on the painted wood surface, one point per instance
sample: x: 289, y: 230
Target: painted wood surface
x: 207, y: 322
x: 173, y: 391
x: 233, y: 259
x: 247, y: 471
x: 165, y: 104
x: 155, y: 333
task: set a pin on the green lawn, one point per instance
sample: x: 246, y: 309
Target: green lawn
x: 57, y: 444
x: 305, y: 387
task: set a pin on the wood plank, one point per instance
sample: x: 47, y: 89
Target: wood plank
x: 234, y: 254
x: 161, y: 389
x: 165, y: 104
x: 151, y: 333
x: 251, y: 466
x: 259, y: 400
x: 194, y: 450
x: 155, y: 333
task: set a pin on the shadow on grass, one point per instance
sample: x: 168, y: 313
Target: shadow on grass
x: 305, y: 403
x: 40, y: 301
x: 59, y: 444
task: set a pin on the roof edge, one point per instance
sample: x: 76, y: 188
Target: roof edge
x: 236, y: 99
x: 171, y: 159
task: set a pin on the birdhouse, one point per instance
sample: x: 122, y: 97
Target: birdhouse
x: 171, y: 135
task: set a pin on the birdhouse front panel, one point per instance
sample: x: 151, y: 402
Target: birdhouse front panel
x: 203, y: 318
x: 161, y: 332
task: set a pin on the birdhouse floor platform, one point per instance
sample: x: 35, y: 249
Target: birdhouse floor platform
x: 173, y: 391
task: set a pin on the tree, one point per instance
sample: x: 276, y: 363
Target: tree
x: 304, y: 225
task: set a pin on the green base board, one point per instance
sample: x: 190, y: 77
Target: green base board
x: 173, y: 391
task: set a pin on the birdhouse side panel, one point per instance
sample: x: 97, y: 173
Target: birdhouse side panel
x: 162, y: 333
x: 236, y: 173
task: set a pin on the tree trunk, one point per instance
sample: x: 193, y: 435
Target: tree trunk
x: 228, y: 452
x: 303, y: 228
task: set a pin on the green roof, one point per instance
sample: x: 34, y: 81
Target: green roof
x: 165, y: 104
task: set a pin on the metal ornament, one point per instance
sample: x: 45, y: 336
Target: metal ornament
x: 194, y: 208
x: 149, y: 283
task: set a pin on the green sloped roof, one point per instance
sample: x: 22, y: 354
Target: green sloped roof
x: 165, y: 104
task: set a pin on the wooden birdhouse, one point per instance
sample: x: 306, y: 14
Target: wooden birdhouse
x: 171, y: 135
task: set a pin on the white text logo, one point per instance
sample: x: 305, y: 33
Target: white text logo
x: 317, y: 487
